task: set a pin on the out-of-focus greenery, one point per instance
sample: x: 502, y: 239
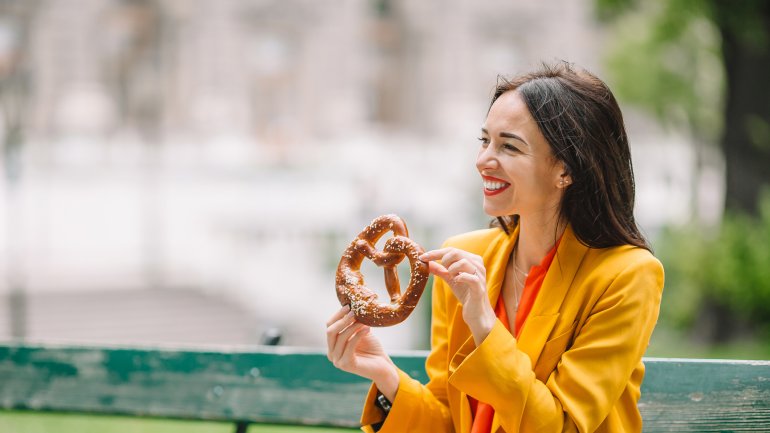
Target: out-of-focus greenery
x: 665, y: 56
x: 700, y: 65
x: 669, y: 342
x: 678, y: 59
x: 728, y: 266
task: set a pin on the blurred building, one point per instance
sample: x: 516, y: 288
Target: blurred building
x: 223, y: 153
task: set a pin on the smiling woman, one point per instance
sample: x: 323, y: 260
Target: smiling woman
x: 540, y: 322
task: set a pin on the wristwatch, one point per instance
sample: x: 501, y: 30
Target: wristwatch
x: 382, y: 402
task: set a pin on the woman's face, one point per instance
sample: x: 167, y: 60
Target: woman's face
x: 519, y: 172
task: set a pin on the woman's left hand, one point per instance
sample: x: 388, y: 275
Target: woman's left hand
x: 467, y: 277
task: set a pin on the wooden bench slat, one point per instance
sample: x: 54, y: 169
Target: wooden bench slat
x: 706, y: 395
x: 295, y: 386
x: 282, y: 386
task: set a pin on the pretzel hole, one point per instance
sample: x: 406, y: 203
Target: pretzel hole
x: 374, y: 276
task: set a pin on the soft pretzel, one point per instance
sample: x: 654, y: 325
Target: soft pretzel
x: 350, y: 283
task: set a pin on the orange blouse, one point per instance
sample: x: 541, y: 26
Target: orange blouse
x: 483, y: 413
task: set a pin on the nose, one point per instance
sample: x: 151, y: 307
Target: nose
x: 486, y: 159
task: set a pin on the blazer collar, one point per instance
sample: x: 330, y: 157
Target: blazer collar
x: 496, y: 261
x: 548, y: 303
x: 560, y: 274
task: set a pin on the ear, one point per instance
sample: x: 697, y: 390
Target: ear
x: 563, y: 178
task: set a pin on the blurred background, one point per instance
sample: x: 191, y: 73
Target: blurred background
x: 179, y: 172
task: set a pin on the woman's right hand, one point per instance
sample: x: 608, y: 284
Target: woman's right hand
x: 466, y: 275
x: 353, y: 348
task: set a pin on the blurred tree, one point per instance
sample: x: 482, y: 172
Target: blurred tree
x: 704, y: 65
x: 673, y: 57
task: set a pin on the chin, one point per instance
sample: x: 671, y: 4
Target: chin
x: 495, y: 213
x: 495, y: 207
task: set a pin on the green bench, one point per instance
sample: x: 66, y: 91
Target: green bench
x: 299, y: 387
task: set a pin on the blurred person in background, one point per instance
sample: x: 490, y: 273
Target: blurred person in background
x: 539, y: 323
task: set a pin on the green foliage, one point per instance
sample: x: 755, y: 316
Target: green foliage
x: 731, y: 267
x: 668, y: 342
x: 665, y: 56
x: 609, y: 9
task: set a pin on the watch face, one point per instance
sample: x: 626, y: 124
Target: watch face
x: 383, y: 402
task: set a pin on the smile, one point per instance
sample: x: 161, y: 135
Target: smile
x: 494, y: 186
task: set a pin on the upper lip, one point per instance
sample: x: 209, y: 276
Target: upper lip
x: 492, y: 179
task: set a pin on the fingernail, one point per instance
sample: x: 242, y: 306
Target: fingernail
x: 346, y: 308
x: 422, y: 256
x: 350, y: 314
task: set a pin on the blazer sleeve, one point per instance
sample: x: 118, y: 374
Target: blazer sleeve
x: 590, y: 376
x: 419, y: 407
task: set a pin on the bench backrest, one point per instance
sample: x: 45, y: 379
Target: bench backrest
x: 294, y: 386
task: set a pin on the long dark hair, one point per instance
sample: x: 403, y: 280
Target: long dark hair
x: 581, y: 120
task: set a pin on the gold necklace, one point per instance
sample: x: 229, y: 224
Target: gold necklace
x: 525, y: 274
x: 517, y: 281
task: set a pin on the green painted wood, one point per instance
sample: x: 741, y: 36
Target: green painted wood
x: 690, y: 395
x: 292, y: 386
x: 279, y: 385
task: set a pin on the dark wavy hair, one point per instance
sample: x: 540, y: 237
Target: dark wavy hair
x: 581, y: 120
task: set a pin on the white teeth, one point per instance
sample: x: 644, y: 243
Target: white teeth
x: 493, y: 186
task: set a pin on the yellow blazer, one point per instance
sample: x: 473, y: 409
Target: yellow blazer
x: 577, y: 365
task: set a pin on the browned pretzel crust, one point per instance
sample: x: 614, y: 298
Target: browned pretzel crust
x: 350, y: 283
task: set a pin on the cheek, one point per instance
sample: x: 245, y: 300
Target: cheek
x: 549, y: 175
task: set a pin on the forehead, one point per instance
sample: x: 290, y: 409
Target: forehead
x: 510, y: 112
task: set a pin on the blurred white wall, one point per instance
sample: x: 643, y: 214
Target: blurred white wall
x: 235, y: 147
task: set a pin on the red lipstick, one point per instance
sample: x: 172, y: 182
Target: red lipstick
x: 500, y: 187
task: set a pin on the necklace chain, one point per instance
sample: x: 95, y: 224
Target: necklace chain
x: 525, y: 274
x: 519, y: 281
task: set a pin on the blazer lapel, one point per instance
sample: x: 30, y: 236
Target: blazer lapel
x: 557, y: 282
x: 496, y: 260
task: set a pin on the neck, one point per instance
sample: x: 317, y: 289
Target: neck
x: 537, y: 236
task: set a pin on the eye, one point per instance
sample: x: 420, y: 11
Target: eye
x: 511, y: 148
x: 484, y: 141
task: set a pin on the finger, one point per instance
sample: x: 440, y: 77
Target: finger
x: 448, y: 256
x: 476, y: 259
x: 462, y: 265
x: 348, y: 355
x: 332, y: 336
x: 338, y: 315
x: 451, y: 256
x: 341, y: 324
x: 440, y: 271
x: 342, y: 340
x: 434, y: 254
x: 333, y: 331
x: 462, y: 258
x: 467, y: 278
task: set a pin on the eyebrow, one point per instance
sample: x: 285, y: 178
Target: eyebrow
x: 507, y: 135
